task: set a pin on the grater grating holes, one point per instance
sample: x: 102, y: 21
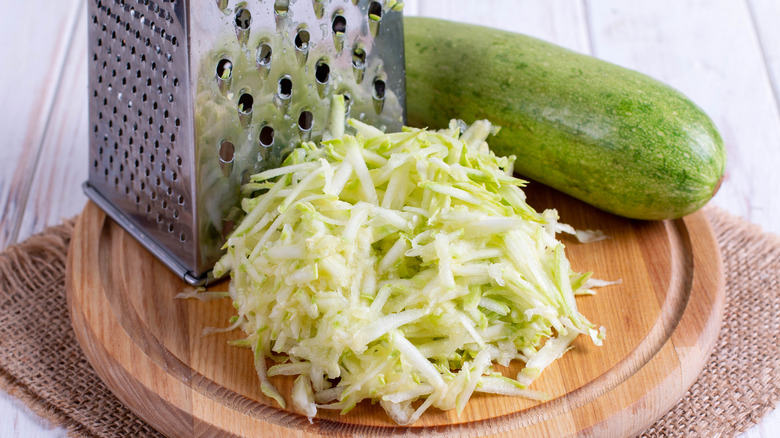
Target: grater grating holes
x: 245, y: 103
x: 285, y: 87
x: 226, y: 156
x: 375, y: 11
x: 119, y: 41
x: 306, y: 120
x: 140, y: 65
x: 264, y: 52
x: 302, y: 39
x: 224, y: 69
x: 322, y: 72
x: 347, y: 101
x: 281, y: 7
x: 226, y: 152
x: 266, y: 136
x: 359, y: 57
x: 243, y: 18
x: 339, y: 24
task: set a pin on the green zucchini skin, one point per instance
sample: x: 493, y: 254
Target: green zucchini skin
x: 607, y: 135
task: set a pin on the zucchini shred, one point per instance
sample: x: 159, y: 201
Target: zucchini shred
x: 399, y: 267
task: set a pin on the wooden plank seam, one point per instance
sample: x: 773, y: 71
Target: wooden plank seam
x: 50, y: 103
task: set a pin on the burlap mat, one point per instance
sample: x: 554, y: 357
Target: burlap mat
x: 42, y: 364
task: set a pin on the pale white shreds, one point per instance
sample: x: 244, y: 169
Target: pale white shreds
x: 303, y: 397
x: 594, y: 282
x: 201, y: 295
x: 504, y: 386
x: 399, y: 268
x: 212, y: 330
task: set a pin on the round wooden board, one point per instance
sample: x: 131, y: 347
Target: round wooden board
x: 661, y: 323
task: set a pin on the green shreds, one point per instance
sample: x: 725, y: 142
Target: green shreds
x: 399, y: 268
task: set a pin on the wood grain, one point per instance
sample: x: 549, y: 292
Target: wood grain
x: 33, y: 52
x: 39, y: 36
x: 661, y: 324
x: 763, y: 14
x: 55, y: 191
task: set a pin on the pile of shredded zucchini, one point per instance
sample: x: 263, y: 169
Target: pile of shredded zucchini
x: 398, y: 268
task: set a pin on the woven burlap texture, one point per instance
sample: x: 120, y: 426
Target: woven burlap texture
x: 42, y: 364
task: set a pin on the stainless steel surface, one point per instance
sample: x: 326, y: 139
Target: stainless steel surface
x: 150, y: 244
x: 189, y: 98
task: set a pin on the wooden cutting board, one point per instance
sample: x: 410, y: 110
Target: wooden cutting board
x: 661, y: 323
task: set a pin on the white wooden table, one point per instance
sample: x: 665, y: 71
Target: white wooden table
x: 724, y: 54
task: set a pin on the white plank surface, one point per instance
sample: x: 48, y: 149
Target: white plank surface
x: 33, y: 53
x: 559, y: 21
x: 17, y: 421
x: 766, y: 16
x: 724, y: 54
x: 63, y: 164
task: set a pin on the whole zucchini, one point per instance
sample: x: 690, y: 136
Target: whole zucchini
x: 609, y: 136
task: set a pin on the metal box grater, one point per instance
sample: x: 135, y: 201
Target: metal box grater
x: 189, y: 98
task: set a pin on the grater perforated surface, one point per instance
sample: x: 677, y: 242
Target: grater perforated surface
x: 189, y: 98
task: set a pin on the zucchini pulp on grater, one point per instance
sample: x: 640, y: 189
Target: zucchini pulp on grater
x: 189, y: 98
